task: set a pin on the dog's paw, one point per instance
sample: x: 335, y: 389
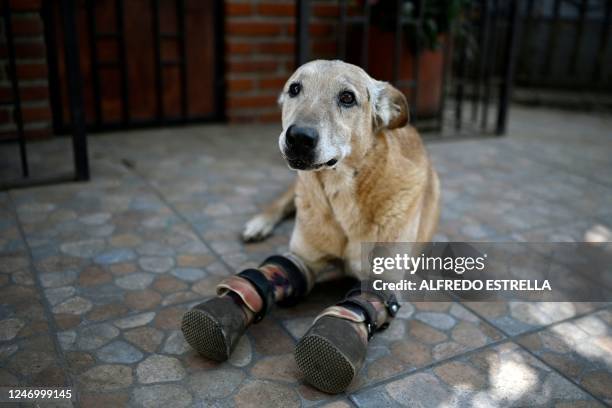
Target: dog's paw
x: 257, y: 228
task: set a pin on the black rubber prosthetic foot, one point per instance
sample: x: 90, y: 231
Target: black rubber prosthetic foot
x: 330, y: 354
x: 214, y: 327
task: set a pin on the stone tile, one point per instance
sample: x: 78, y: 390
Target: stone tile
x: 262, y: 393
x: 581, y: 349
x: 279, y: 368
x: 161, y: 396
x: 502, y: 375
x: 518, y: 317
x: 215, y: 384
x: 158, y: 368
x: 106, y: 377
x: 118, y: 266
x: 145, y: 338
x: 119, y: 352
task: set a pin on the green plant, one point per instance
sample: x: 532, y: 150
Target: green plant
x: 437, y: 17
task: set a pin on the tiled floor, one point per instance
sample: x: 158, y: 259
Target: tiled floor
x: 94, y: 277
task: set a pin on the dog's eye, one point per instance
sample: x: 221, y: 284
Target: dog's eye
x: 347, y: 98
x: 294, y: 89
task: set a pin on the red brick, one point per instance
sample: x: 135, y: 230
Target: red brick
x: 239, y: 47
x: 275, y: 9
x: 34, y: 93
x: 287, y: 47
x: 260, y: 101
x: 238, y: 85
x: 269, y: 117
x: 26, y: 5
x: 325, y: 10
x: 255, y: 117
x: 6, y: 115
x: 27, y: 50
x: 238, y: 9
x: 290, y: 66
x: 27, y: 93
x: 254, y: 28
x: 32, y: 134
x: 36, y: 114
x: 315, y: 29
x: 272, y: 83
x: 32, y: 71
x: 252, y: 66
x: 5, y: 93
x: 324, y: 47
x: 27, y: 26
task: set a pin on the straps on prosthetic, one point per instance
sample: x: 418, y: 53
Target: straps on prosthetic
x: 279, y: 279
x: 254, y: 298
x: 264, y: 290
x: 373, y: 308
x: 387, y: 297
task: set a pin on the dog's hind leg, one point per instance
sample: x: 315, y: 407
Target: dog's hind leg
x: 261, y: 226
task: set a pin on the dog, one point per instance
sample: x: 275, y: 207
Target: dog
x: 363, y: 174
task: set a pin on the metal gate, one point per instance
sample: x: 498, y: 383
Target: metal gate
x: 566, y: 45
x: 478, y: 54
x: 74, y: 98
x: 144, y: 62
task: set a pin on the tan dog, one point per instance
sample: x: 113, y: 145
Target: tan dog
x: 363, y: 174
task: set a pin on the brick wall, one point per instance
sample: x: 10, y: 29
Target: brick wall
x: 31, y: 70
x: 260, y: 53
x: 259, y: 56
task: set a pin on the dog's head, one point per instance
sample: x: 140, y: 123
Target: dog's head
x: 332, y: 110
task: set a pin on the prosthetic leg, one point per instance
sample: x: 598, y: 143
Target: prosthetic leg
x: 214, y: 327
x: 332, y: 351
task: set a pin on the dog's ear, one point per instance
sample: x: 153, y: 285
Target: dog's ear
x: 390, y: 106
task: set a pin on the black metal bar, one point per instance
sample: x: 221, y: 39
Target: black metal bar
x: 446, y: 68
x: 397, y: 46
x: 485, y: 23
x: 302, y: 38
x: 505, y: 90
x: 526, y: 62
x: 603, y: 44
x: 489, y: 67
x: 125, y: 89
x: 55, y: 89
x: 552, y: 39
x: 93, y: 55
x: 180, y: 17
x: 582, y: 9
x: 75, y: 86
x: 416, y: 60
x: 365, y: 35
x: 159, y: 80
x: 342, y: 27
x: 17, y: 114
x: 460, y: 85
x: 219, y: 91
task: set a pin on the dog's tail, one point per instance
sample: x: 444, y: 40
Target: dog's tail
x: 262, y: 225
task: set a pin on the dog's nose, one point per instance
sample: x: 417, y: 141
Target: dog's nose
x: 301, y: 138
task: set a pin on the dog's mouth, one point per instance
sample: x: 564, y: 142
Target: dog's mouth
x: 298, y: 164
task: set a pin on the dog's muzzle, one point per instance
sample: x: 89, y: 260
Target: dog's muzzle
x: 300, y: 146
